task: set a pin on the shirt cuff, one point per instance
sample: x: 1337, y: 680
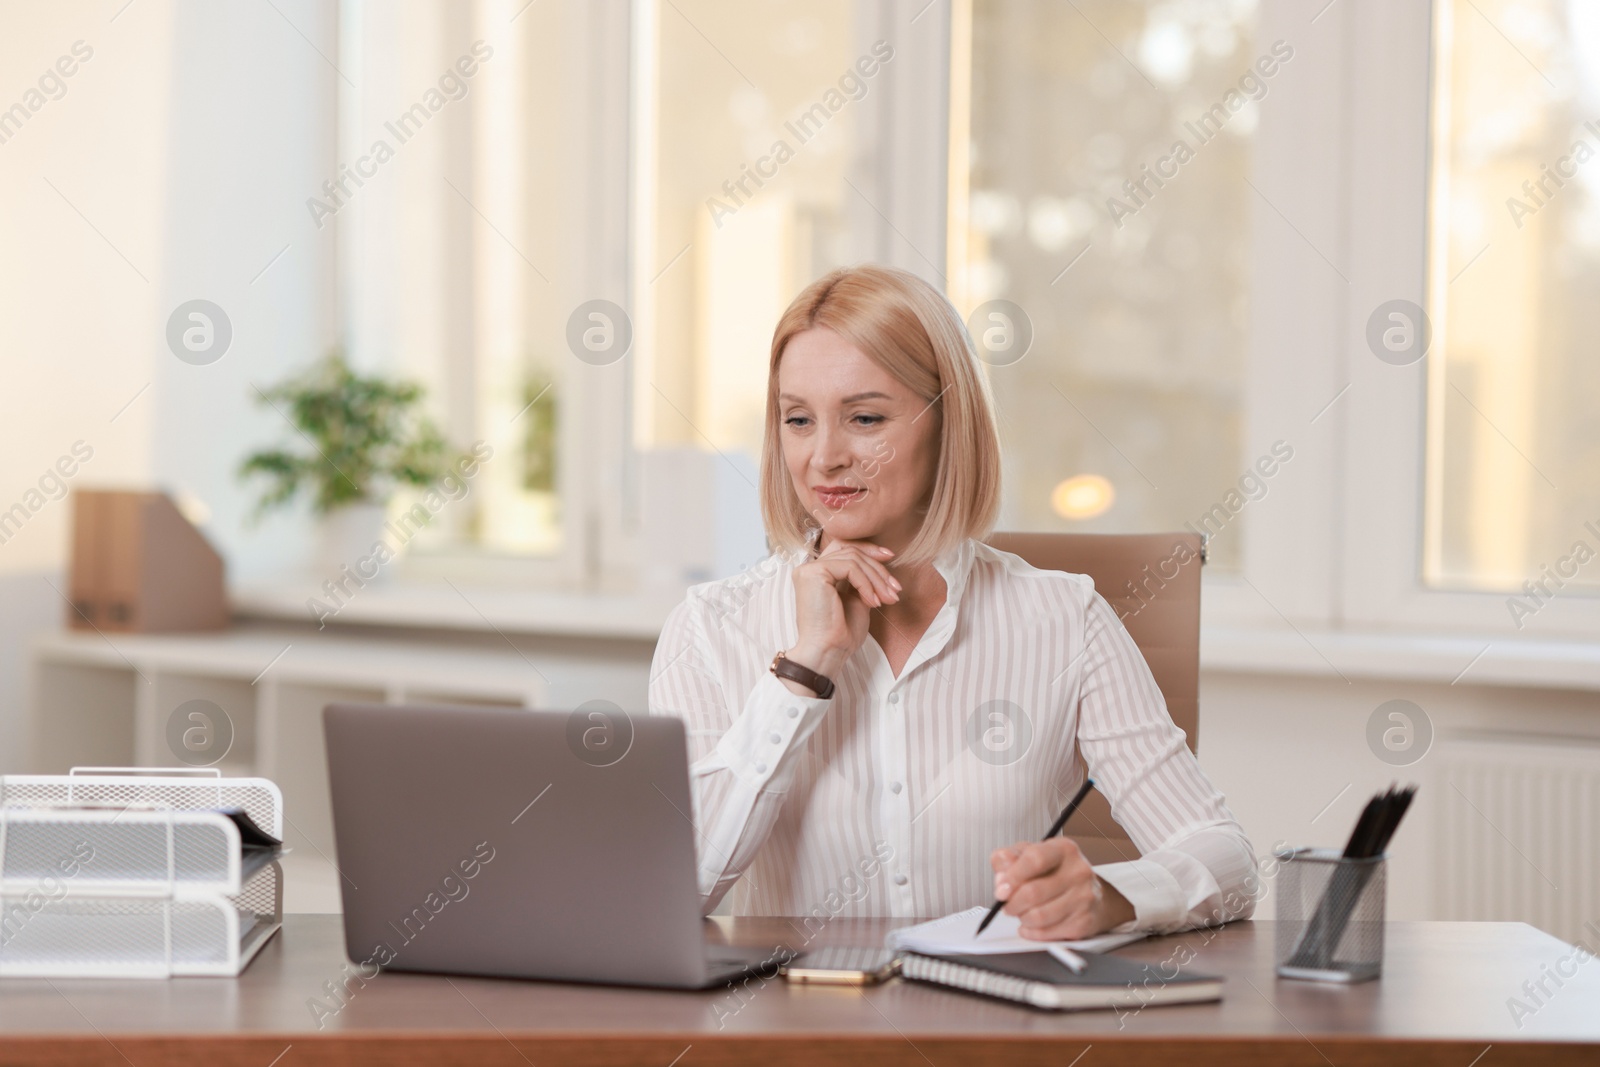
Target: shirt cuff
x: 762, y: 745
x: 1156, y: 896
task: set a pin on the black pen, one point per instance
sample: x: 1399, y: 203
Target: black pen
x: 1066, y: 813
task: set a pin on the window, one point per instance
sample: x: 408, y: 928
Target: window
x: 1106, y: 209
x: 490, y: 219
x: 744, y: 164
x: 1513, y: 451
x: 1194, y: 215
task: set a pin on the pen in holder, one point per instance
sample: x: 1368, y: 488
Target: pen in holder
x: 1330, y: 916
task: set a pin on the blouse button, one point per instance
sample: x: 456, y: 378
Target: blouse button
x: 794, y: 712
x: 900, y: 879
x: 761, y: 768
x: 894, y: 787
x: 894, y: 698
x: 775, y: 738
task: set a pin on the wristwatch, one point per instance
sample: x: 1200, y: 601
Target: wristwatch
x: 784, y: 667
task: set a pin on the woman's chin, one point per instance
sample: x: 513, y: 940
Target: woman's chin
x: 850, y: 528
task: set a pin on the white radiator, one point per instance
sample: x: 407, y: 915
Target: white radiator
x: 1517, y: 832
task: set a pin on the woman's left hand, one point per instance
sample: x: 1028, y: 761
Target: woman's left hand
x: 1053, y: 890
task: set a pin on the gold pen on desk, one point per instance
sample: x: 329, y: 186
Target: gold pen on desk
x: 1055, y: 828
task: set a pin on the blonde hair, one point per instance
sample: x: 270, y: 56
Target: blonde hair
x: 908, y: 328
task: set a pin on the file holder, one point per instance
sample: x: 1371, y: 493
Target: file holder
x: 1330, y: 916
x: 124, y: 872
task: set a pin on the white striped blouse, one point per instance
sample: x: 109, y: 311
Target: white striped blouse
x: 887, y: 799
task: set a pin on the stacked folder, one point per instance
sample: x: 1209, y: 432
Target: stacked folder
x: 134, y: 873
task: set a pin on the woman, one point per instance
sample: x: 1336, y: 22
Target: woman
x: 835, y: 695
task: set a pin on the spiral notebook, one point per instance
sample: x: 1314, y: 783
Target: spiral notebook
x: 1040, y: 980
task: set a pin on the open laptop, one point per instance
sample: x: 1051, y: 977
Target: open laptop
x: 523, y: 844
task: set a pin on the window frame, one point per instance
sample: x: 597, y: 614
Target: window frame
x: 1340, y: 224
x: 1339, y: 221
x: 1386, y: 439
x: 597, y: 470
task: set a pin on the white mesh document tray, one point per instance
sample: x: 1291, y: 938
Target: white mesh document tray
x: 180, y: 788
x: 131, y: 872
x: 124, y: 850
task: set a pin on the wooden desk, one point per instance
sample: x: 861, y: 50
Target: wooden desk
x: 1442, y: 1000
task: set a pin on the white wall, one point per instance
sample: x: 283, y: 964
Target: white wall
x: 175, y: 166
x: 1283, y: 747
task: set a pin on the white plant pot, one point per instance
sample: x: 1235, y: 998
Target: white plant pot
x: 345, y: 536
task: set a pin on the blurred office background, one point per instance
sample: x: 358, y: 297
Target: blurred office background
x: 1200, y: 217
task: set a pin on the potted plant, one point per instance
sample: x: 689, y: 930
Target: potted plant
x: 365, y: 437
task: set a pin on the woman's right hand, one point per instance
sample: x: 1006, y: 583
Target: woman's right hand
x: 834, y: 595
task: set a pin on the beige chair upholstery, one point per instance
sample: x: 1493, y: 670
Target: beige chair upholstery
x: 1152, y: 581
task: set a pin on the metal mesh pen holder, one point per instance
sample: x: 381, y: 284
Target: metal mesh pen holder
x: 1330, y: 916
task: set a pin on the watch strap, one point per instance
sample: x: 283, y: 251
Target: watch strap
x: 784, y: 667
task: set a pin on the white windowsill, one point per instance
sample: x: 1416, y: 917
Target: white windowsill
x: 1462, y: 659
x: 634, y: 616
x: 1366, y: 655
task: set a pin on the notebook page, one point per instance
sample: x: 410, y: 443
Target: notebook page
x: 953, y: 935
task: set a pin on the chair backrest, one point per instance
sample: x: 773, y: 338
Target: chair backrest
x: 1152, y: 581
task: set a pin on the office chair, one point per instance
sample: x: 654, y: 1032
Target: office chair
x: 1158, y: 600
